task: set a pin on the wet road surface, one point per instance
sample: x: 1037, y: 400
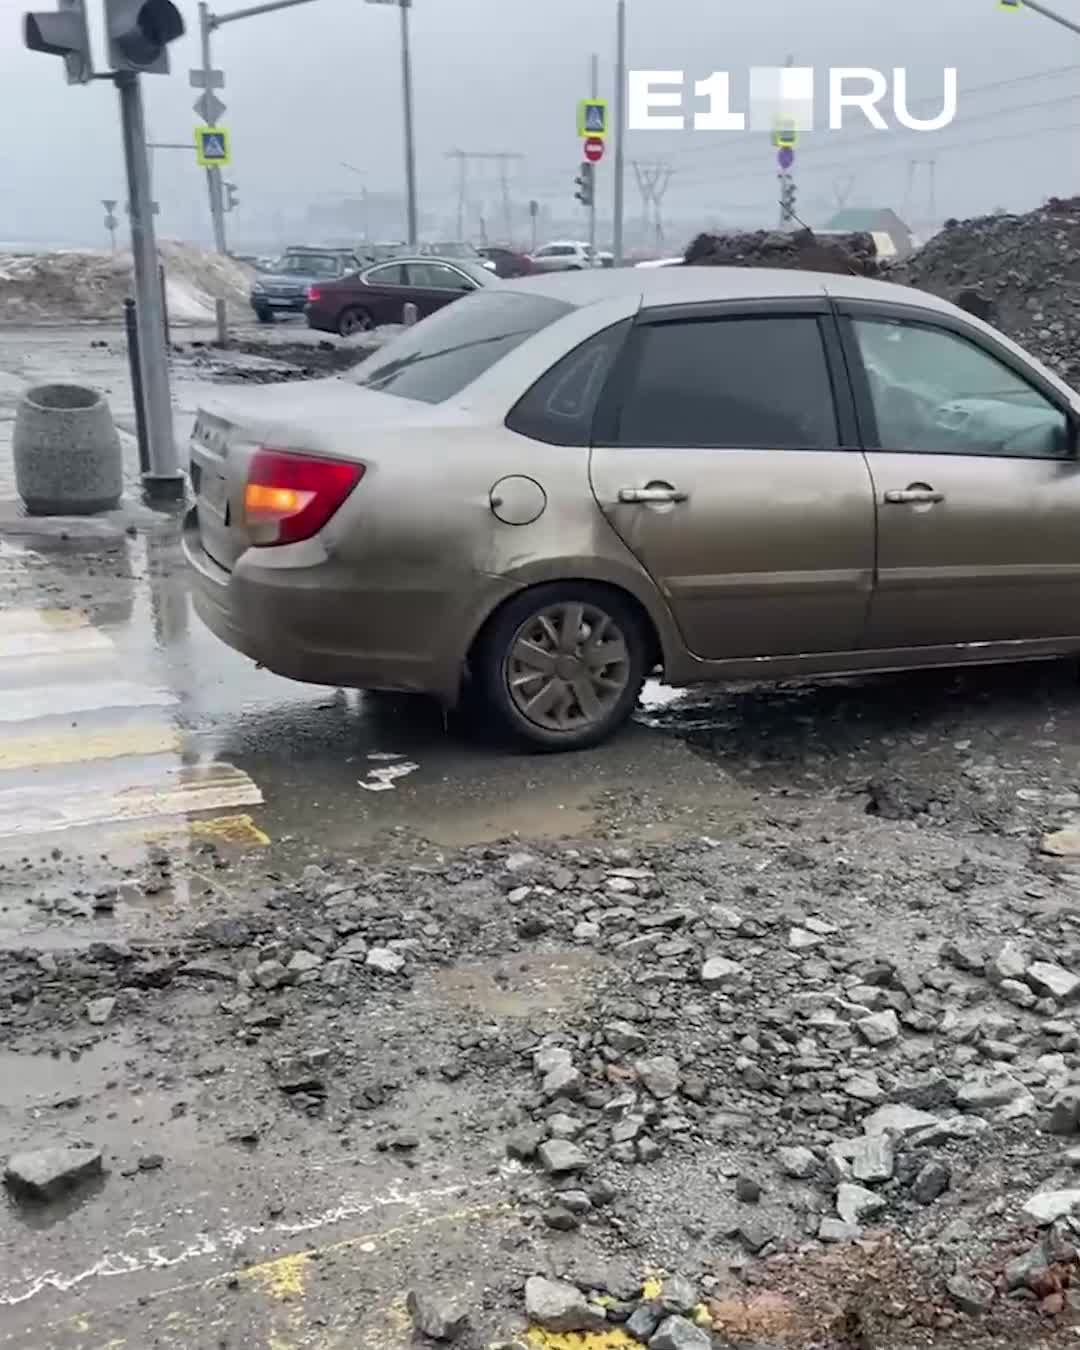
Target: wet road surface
x: 131, y: 739
x: 124, y: 719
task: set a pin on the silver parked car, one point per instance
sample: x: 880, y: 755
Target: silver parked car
x: 557, y: 484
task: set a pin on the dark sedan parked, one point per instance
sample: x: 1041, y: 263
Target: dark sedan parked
x: 508, y: 262
x: 282, y: 288
x: 379, y: 294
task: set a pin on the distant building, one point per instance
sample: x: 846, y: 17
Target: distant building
x: 875, y: 220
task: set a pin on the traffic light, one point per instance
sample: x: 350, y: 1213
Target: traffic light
x: 231, y: 199
x: 139, y: 33
x: 585, y: 184
x: 787, y: 197
x: 62, y: 33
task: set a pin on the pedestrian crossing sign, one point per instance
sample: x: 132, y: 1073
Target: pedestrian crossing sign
x: 212, y: 147
x: 785, y: 134
x: 592, y: 118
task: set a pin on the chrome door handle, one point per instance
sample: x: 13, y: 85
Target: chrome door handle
x: 907, y: 495
x: 652, y: 494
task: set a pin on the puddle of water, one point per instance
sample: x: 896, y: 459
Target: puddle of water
x: 534, y: 815
x: 521, y: 987
x: 33, y: 1082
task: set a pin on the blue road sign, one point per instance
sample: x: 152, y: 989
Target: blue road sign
x: 212, y: 147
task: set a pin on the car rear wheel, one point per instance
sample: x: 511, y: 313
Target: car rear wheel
x: 562, y: 665
x: 354, y: 320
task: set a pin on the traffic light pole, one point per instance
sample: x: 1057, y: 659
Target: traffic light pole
x: 1048, y: 13
x: 213, y: 175
x: 594, y: 92
x: 163, y: 481
x: 620, y: 123
x: 207, y: 24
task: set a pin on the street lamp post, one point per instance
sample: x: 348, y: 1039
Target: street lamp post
x: 412, y: 223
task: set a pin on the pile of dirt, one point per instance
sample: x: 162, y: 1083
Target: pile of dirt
x: 68, y: 286
x: 1019, y: 272
x: 851, y: 254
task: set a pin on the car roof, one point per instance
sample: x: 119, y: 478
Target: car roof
x: 425, y: 258
x: 686, y: 285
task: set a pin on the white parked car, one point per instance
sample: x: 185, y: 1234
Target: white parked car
x: 562, y: 255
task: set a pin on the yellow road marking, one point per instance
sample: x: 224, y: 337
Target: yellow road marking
x: 614, y: 1339
x: 284, y: 1278
x: 230, y: 829
x: 75, y: 747
x: 41, y: 620
x: 30, y: 809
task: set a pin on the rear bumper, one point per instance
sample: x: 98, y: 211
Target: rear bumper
x: 321, y: 625
x: 277, y: 303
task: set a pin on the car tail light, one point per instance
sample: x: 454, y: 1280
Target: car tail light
x: 289, y: 497
x: 313, y: 295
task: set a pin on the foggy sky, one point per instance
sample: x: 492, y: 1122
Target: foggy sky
x: 311, y: 87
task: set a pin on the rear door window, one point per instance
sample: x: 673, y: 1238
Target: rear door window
x: 438, y: 277
x: 436, y: 358
x: 740, y: 383
x: 388, y: 274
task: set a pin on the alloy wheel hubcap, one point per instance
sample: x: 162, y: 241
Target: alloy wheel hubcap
x: 568, y: 665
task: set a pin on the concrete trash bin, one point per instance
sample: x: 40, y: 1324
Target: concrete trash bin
x: 68, y: 460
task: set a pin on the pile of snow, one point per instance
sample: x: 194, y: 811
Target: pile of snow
x: 36, y: 287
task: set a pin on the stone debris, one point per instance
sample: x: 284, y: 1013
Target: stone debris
x: 676, y: 1333
x: 720, y: 973
x: 1065, y: 1112
x: 797, y: 1162
x: 99, y: 1010
x: 384, y: 960
x: 561, y: 1307
x: 660, y: 1076
x: 970, y: 1295
x: 1046, y: 1207
x: 1045, y: 977
x: 437, y: 1318
x: 856, y: 1202
x: 786, y: 1054
x: 879, y: 1029
x: 559, y: 1157
x: 50, y: 1173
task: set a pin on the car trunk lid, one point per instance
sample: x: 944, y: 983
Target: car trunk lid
x: 308, y: 417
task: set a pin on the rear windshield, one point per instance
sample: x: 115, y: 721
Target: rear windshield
x: 437, y: 358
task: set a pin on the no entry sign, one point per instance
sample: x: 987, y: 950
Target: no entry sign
x: 594, y: 149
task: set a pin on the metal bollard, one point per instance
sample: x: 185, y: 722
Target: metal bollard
x: 131, y: 324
